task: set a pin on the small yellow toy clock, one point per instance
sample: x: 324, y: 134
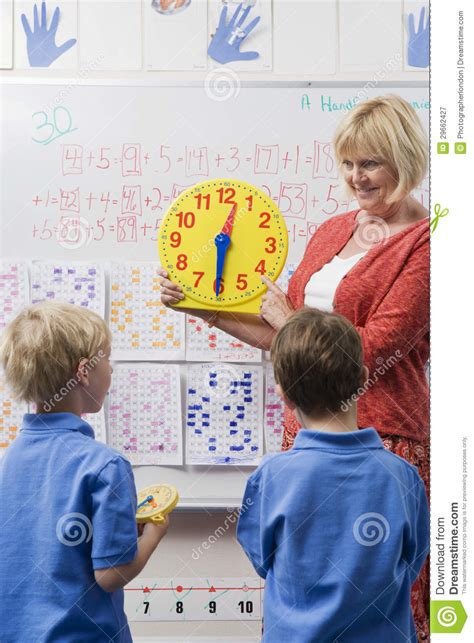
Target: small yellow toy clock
x: 155, y: 502
x: 217, y: 240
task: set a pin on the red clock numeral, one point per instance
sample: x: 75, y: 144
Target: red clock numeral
x: 200, y: 276
x: 221, y: 287
x: 249, y: 199
x: 203, y: 197
x: 230, y: 195
x: 182, y: 262
x: 187, y: 219
x: 260, y: 267
x: 265, y: 216
x: 175, y: 239
x: 242, y: 282
x: 271, y: 248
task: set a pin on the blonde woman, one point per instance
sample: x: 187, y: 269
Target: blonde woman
x: 372, y: 266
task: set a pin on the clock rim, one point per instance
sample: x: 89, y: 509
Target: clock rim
x: 216, y: 304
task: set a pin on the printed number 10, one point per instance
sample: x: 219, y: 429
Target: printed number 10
x: 246, y: 607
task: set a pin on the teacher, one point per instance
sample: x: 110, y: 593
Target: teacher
x: 372, y: 266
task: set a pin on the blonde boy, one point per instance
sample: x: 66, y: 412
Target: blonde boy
x: 68, y: 536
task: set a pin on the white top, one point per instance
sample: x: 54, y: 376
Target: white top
x: 321, y: 288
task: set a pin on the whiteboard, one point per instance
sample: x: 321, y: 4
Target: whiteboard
x: 89, y: 170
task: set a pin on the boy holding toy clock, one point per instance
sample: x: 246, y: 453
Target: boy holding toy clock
x: 67, y: 502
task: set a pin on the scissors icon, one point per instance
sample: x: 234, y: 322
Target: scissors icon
x: 439, y: 214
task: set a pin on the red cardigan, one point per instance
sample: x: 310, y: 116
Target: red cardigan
x: 386, y: 296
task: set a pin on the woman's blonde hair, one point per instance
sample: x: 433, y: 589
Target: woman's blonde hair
x: 387, y: 129
x: 41, y: 348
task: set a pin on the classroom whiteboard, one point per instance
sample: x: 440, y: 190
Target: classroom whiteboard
x: 88, y: 172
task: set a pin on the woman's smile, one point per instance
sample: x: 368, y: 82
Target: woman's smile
x: 362, y: 192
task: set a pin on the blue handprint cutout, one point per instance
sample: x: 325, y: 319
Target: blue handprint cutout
x: 40, y: 42
x: 419, y: 41
x: 225, y: 45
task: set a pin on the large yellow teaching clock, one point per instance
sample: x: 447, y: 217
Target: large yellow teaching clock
x: 217, y: 240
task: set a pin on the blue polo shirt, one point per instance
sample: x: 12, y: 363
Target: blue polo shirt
x: 339, y: 528
x: 67, y: 507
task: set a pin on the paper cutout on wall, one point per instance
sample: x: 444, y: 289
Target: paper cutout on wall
x: 241, y: 38
x: 416, y: 36
x: 46, y: 34
x: 78, y: 283
x: 224, y: 414
x: 230, y: 36
x: 145, y: 413
x: 142, y: 327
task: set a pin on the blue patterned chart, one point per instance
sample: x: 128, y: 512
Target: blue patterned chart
x: 223, y: 414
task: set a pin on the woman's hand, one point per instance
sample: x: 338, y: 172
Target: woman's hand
x: 276, y: 307
x: 170, y: 293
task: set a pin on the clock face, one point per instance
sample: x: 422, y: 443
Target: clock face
x: 218, y: 239
x: 156, y: 499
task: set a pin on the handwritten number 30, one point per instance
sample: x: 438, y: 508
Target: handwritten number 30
x: 61, y: 125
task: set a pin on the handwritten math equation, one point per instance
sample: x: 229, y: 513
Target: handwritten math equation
x: 132, y: 159
x: 121, y: 193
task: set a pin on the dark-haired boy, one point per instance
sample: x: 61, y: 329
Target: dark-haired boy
x: 338, y: 526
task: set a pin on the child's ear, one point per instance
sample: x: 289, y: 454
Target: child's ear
x: 364, y: 376
x: 82, y: 372
x: 288, y: 402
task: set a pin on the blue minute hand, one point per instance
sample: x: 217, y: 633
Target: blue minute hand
x: 222, y: 241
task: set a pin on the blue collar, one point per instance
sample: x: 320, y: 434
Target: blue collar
x: 362, y: 439
x: 55, y: 422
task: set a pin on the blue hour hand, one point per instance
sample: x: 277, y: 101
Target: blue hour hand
x: 222, y: 242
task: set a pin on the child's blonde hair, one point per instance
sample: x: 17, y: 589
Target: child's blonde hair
x: 41, y: 348
x: 388, y: 129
